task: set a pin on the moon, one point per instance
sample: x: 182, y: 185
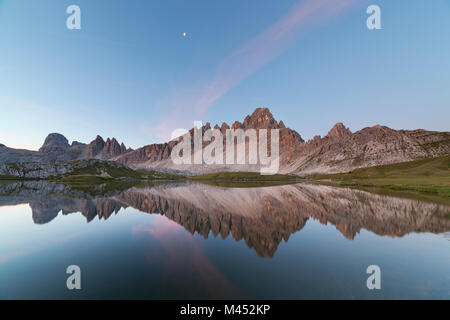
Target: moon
x: 184, y: 34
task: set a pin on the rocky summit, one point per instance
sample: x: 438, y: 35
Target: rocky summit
x: 54, y: 140
x: 157, y: 156
x: 339, y: 131
x: 95, y: 147
x: 339, y: 151
x: 342, y: 151
x: 56, y: 148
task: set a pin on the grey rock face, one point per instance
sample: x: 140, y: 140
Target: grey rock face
x: 111, y: 149
x: 76, y: 143
x: 342, y: 151
x: 42, y: 170
x: 56, y: 148
x: 158, y: 155
x: 54, y: 140
x: 96, y: 146
x: 339, y: 151
x: 18, y: 155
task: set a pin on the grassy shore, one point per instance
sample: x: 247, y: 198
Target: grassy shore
x: 103, y: 178
x: 430, y: 177
x: 244, y: 179
x: 7, y: 177
x: 426, y: 176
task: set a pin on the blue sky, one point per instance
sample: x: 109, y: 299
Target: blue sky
x: 130, y: 73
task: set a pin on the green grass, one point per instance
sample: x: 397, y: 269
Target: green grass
x: 96, y: 169
x: 102, y: 178
x: 7, y: 177
x: 244, y: 179
x: 86, y: 178
x: 427, y: 176
x: 99, y: 172
x: 156, y: 175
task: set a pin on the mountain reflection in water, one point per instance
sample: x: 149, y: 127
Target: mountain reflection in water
x: 263, y: 217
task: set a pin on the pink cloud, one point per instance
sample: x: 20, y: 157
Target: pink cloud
x: 266, y: 46
x: 184, y: 259
x: 247, y: 59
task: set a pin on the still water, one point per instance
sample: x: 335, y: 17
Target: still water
x: 194, y: 241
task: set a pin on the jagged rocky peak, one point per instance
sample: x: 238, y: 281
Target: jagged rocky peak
x: 237, y: 125
x: 112, y: 148
x: 261, y: 118
x: 54, y: 140
x: 106, y: 149
x: 339, y: 131
x: 223, y: 128
x: 96, y: 146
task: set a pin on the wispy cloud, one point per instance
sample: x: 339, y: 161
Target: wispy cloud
x: 253, y: 55
x: 160, y: 133
x: 267, y: 46
x: 195, y: 261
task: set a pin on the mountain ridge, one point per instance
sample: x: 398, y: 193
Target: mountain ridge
x: 339, y: 150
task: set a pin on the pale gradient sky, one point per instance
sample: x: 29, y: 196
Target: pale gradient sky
x: 129, y: 73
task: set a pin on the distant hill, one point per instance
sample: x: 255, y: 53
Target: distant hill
x: 18, y: 155
x: 56, y: 148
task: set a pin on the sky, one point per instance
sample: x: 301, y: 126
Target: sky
x: 131, y: 73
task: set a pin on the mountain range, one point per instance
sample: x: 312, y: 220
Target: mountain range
x: 339, y: 151
x: 56, y: 148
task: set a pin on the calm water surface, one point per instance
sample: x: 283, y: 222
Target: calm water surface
x: 196, y: 241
